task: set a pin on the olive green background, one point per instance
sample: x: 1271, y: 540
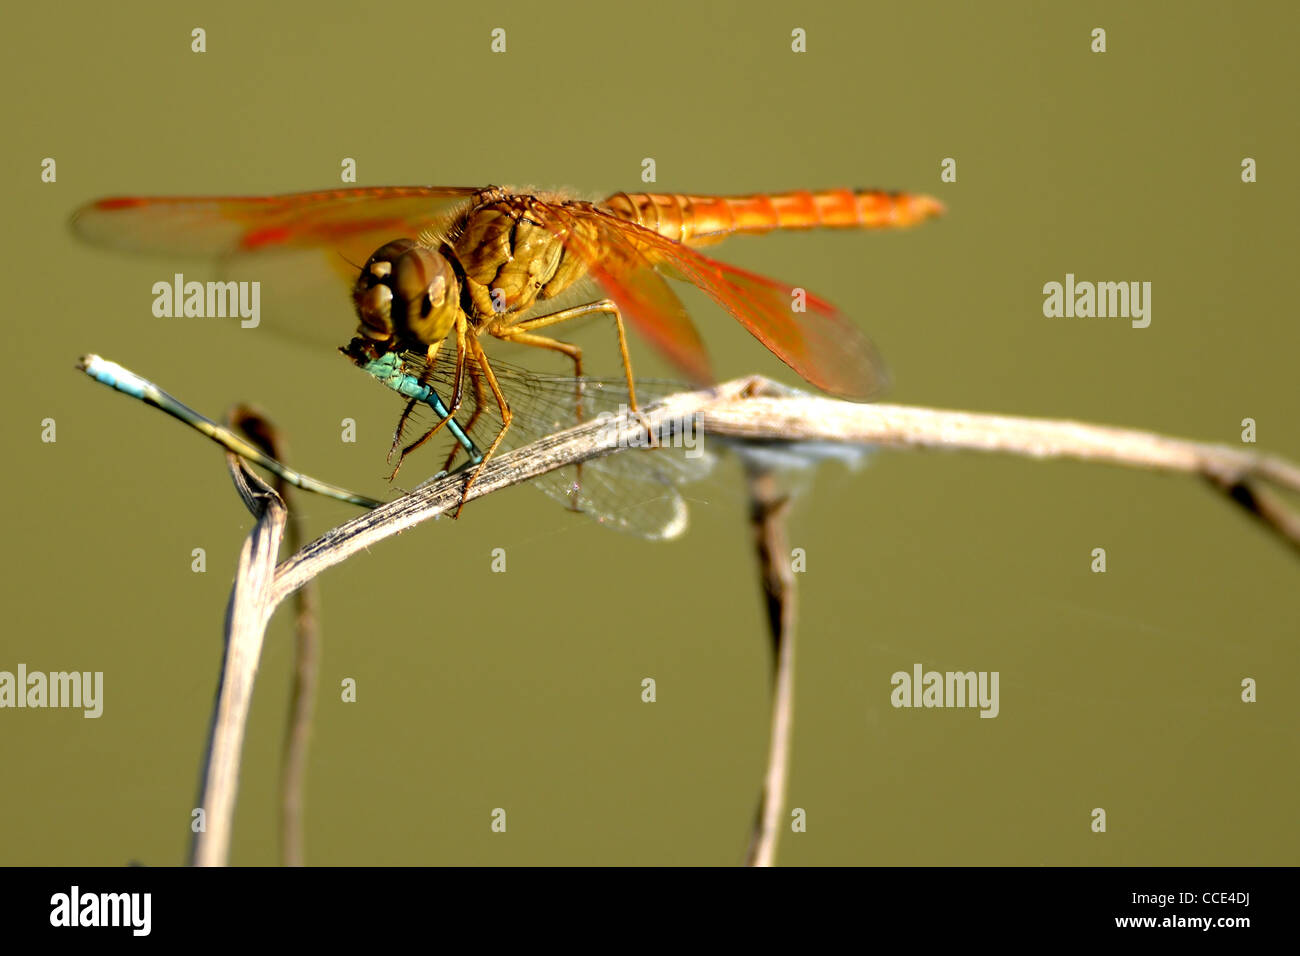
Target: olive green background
x: 522, y: 690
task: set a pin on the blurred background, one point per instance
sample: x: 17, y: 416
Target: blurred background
x: 521, y: 689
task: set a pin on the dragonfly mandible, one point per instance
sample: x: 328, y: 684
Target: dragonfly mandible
x: 470, y: 261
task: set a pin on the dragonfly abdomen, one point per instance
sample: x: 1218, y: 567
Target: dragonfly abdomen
x: 702, y: 220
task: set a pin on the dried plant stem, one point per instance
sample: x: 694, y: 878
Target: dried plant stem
x: 254, y: 427
x: 747, y: 409
x: 247, y: 615
x: 297, y: 735
x: 768, y: 512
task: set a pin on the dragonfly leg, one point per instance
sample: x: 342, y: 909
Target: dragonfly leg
x: 523, y: 333
x: 401, y: 427
x: 575, y: 353
x: 480, y: 400
x: 457, y: 395
x: 481, y: 358
x: 519, y: 332
x: 430, y: 358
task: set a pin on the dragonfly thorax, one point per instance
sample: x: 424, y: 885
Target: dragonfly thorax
x: 407, y: 295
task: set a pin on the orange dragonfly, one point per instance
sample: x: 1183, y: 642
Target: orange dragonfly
x: 488, y: 260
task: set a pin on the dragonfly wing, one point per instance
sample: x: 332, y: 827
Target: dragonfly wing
x: 820, y: 342
x: 623, y: 273
x: 304, y: 249
x: 633, y: 492
x: 218, y: 226
x: 636, y: 490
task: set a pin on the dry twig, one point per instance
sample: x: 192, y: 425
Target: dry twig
x: 768, y: 511
x: 752, y: 410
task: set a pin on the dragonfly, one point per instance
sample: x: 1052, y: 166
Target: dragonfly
x: 445, y: 267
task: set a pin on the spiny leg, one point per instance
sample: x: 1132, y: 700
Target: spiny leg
x: 480, y: 399
x: 401, y: 427
x: 481, y: 358
x: 457, y: 391
x: 523, y: 333
x: 430, y: 358
x: 574, y: 352
x: 518, y: 333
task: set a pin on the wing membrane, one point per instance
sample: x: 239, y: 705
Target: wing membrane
x: 636, y: 490
x: 217, y: 226
x: 617, y: 263
x: 820, y: 343
x: 305, y: 248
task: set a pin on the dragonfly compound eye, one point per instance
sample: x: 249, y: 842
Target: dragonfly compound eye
x: 373, y: 294
x: 375, y: 309
x: 426, y: 295
x: 406, y: 295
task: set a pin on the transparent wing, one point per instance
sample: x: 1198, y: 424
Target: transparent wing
x: 217, y: 226
x: 635, y: 490
x: 304, y: 249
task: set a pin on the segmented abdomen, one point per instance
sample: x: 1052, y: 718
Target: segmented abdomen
x: 701, y: 220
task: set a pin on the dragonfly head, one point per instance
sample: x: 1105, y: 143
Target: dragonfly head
x: 407, y: 295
